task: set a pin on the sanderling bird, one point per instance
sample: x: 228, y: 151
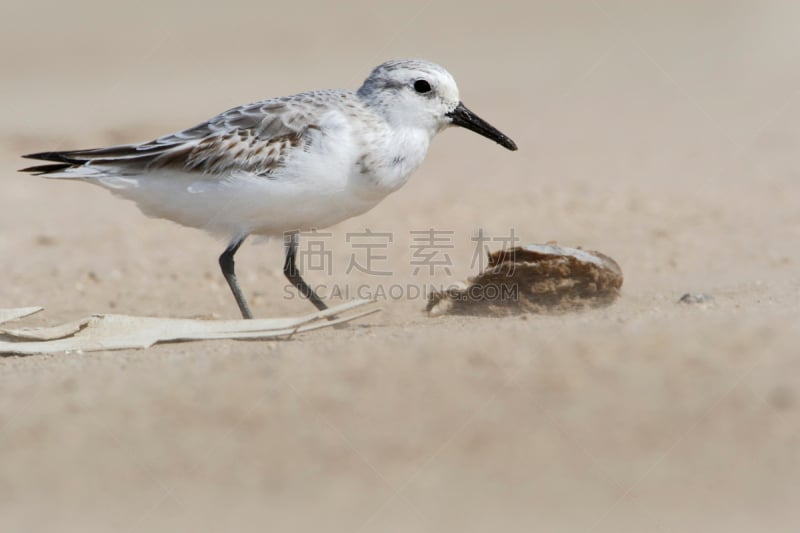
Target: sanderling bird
x: 282, y: 166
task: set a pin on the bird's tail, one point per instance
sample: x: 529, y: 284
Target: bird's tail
x: 82, y: 163
x: 61, y: 162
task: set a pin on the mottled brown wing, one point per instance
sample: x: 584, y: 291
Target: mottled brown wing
x: 240, y: 149
x: 252, y: 138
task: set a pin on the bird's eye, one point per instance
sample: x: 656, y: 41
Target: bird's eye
x: 422, y: 86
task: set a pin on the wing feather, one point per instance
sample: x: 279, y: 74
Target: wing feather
x: 254, y: 138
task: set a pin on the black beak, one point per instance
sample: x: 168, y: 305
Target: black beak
x: 461, y: 116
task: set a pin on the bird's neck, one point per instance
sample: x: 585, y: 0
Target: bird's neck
x: 397, y: 154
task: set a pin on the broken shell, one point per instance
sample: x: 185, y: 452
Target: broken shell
x: 696, y: 298
x: 534, y: 279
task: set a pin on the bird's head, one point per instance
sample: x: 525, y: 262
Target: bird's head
x: 420, y: 94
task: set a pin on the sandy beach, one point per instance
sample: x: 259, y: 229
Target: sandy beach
x: 665, y: 136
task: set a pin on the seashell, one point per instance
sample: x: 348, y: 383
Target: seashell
x: 537, y: 278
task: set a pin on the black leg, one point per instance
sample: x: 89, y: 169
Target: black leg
x: 291, y: 273
x: 226, y: 263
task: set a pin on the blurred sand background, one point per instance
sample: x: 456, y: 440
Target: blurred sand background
x: 664, y: 134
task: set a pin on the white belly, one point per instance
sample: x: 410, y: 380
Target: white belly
x: 239, y: 205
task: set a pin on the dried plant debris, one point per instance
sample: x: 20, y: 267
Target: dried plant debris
x: 537, y: 278
x: 116, y: 332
